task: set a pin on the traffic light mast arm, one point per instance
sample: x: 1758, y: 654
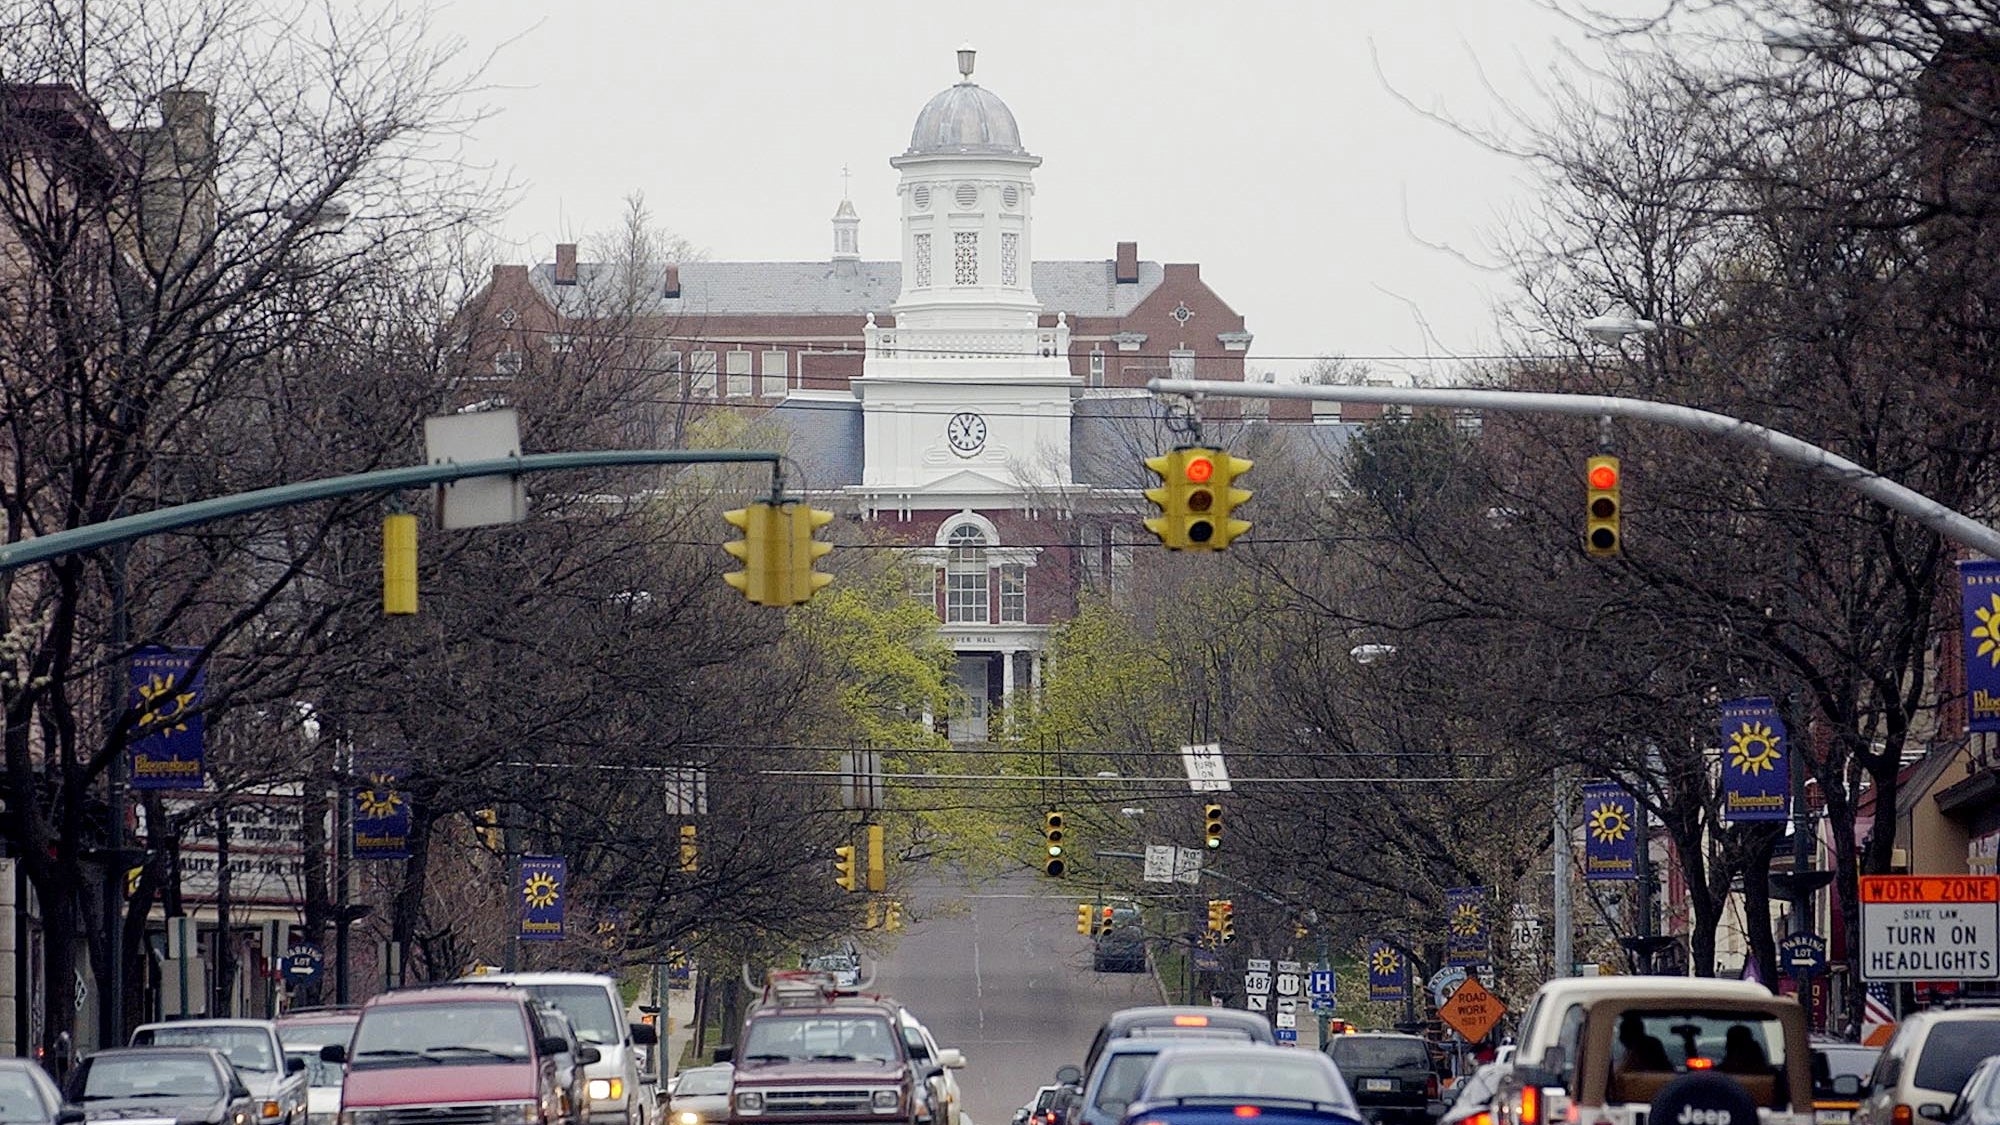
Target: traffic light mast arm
x: 1953, y: 525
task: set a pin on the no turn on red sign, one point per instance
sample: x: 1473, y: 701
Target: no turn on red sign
x: 1930, y: 927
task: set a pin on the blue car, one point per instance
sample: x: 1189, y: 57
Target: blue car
x: 1247, y: 1085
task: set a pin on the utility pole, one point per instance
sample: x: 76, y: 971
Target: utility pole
x: 224, y: 990
x: 1565, y: 955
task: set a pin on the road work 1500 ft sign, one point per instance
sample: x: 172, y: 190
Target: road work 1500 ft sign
x: 1930, y: 927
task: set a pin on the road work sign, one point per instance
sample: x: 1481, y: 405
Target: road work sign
x: 1930, y: 927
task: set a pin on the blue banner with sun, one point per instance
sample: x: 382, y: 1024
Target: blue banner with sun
x: 1756, y: 777
x: 1467, y: 939
x: 1610, y: 832
x: 1979, y: 596
x: 542, y: 892
x: 1388, y: 972
x: 381, y: 810
x: 166, y: 741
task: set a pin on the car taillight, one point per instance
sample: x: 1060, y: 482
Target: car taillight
x: 1247, y: 1111
x: 1190, y: 1021
x: 1431, y: 1087
x: 1483, y: 1117
x: 1900, y: 1115
x: 1531, y: 1105
x: 1699, y: 1063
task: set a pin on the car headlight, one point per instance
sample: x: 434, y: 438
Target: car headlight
x: 750, y: 1101
x: 888, y: 1100
x: 606, y: 1089
x: 687, y: 1117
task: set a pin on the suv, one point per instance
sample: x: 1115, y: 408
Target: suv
x: 616, y: 1085
x: 1701, y: 1050
x: 303, y: 1033
x: 1926, y: 1063
x: 1136, y: 1035
x: 811, y: 1051
x: 1390, y: 1075
x: 452, y: 1055
x: 277, y: 1082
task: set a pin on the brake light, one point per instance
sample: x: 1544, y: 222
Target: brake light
x: 1483, y: 1117
x: 1699, y: 1063
x: 1190, y: 1021
x: 1531, y: 1105
x: 1900, y: 1115
x: 1247, y: 1111
x: 1431, y: 1087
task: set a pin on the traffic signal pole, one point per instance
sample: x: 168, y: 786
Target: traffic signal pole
x: 1950, y: 523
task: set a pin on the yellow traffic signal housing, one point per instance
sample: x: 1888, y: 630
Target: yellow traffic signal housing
x: 1083, y: 917
x: 874, y: 918
x: 690, y: 850
x: 1211, y: 825
x: 779, y: 552
x: 1603, y: 508
x: 1214, y: 916
x: 878, y: 878
x: 1053, y: 864
x: 1197, y: 498
x: 1228, y: 927
x: 399, y: 564
x: 802, y: 524
x: 844, y: 871
x: 1104, y: 916
x: 892, y: 915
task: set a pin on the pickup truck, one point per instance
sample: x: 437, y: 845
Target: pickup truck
x: 811, y: 1051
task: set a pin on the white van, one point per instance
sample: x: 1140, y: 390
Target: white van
x: 618, y: 1094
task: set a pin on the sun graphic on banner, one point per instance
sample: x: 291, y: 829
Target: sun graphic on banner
x: 540, y: 890
x: 1465, y: 919
x: 1608, y: 824
x: 1987, y: 632
x: 379, y: 800
x: 168, y: 705
x: 1753, y: 748
x: 1385, y: 962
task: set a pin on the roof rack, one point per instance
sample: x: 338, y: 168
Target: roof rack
x: 807, y: 988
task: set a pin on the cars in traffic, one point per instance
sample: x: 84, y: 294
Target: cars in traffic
x: 302, y: 1034
x: 616, y: 1089
x: 1471, y: 1100
x: 1220, y: 1084
x: 253, y: 1047
x: 570, y: 1082
x: 938, y: 1066
x: 1979, y: 1102
x: 1120, y: 943
x: 812, y: 1051
x: 184, y: 1085
x: 452, y: 1055
x: 27, y: 1095
x: 700, y: 1095
x: 1084, y: 1093
x: 1926, y: 1063
x: 1390, y: 1075
x: 1840, y: 1068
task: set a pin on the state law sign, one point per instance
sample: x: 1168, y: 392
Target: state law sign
x: 1930, y: 927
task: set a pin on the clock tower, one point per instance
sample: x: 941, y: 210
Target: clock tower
x: 966, y: 397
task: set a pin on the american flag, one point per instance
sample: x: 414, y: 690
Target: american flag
x: 1878, y: 1020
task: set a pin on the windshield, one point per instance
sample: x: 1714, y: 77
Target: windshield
x: 475, y: 1032
x: 313, y: 1036
x: 588, y: 1007
x: 318, y: 1072
x: 702, y: 1083
x: 1122, y: 1074
x: 825, y: 1038
x: 150, y: 1076
x: 1829, y: 1063
x: 1270, y: 1076
x: 21, y: 1100
x: 1353, y: 1053
x: 248, y: 1048
x: 1952, y: 1049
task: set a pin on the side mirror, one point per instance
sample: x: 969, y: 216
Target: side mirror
x: 238, y: 1091
x: 725, y: 1052
x: 952, y: 1058
x: 1449, y: 1095
x: 1067, y: 1075
x: 587, y: 1055
x: 69, y: 1115
x: 1847, y: 1086
x: 333, y: 1053
x: 294, y: 1064
x: 644, y: 1035
x: 551, y: 1045
x: 1932, y: 1111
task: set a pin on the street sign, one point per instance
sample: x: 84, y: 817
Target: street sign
x: 1187, y: 866
x: 1286, y: 1035
x: 1257, y: 984
x: 1257, y: 965
x: 1288, y: 983
x: 1320, y: 982
x: 1287, y: 1019
x: 860, y: 781
x: 1444, y: 982
x: 1207, y: 961
x: 303, y: 963
x: 1802, y: 954
x: 484, y: 435
x: 1159, y: 863
x: 1205, y: 769
x: 1323, y: 1004
x: 1930, y: 927
x: 1256, y: 1002
x: 1472, y: 1011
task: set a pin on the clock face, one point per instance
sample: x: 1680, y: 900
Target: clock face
x: 966, y: 432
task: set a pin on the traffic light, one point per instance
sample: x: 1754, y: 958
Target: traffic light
x: 690, y: 851
x: 892, y: 915
x: 778, y: 552
x: 1211, y: 825
x: 1228, y: 926
x: 1601, y: 533
x: 486, y: 826
x: 878, y: 879
x: 804, y: 552
x: 1053, y: 863
x: 399, y: 564
x: 1104, y: 919
x: 1197, y: 498
x: 1083, y: 917
x: 844, y: 871
x: 874, y: 918
x: 1214, y: 916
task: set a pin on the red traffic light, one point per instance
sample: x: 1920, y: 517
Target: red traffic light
x: 1199, y: 470
x: 1604, y: 476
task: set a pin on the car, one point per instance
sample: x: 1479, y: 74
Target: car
x: 452, y: 1054
x: 844, y: 963
x: 27, y: 1096
x: 1120, y: 946
x: 617, y: 1085
x: 1979, y: 1102
x: 1390, y: 1075
x: 701, y: 1095
x: 1926, y: 1063
x: 303, y: 1033
x: 1556, y: 1005
x: 252, y: 1046
x: 1157, y: 1024
x: 937, y: 1064
x: 1471, y: 1100
x: 1840, y: 1068
x: 570, y: 1080
x: 1104, y: 1097
x: 1042, y: 1109
x: 1190, y: 1084
x: 810, y: 1050
x: 185, y: 1085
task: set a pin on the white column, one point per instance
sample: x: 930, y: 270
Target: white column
x: 1007, y: 674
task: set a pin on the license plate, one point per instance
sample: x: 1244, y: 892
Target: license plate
x: 1833, y: 1117
x: 1378, y: 1085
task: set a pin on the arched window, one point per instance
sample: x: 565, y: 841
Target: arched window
x: 967, y: 599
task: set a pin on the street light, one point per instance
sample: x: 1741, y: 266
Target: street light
x: 1791, y: 42
x: 1610, y: 328
x: 1370, y: 653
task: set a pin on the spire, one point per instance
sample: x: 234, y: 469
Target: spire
x: 846, y: 225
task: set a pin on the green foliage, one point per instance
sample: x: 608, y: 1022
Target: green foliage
x: 880, y: 651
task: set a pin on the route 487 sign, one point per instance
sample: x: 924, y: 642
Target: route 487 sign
x: 1930, y: 927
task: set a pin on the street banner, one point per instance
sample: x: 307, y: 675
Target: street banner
x: 165, y: 744
x: 542, y: 893
x: 1610, y: 832
x: 1979, y: 597
x: 1755, y: 774
x: 1388, y: 972
x: 1468, y: 940
x: 381, y: 809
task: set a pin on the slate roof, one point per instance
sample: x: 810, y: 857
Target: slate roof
x: 824, y: 439
x: 1112, y: 435
x: 1080, y: 289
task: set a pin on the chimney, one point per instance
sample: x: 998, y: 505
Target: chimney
x: 672, y: 288
x: 565, y: 263
x: 1128, y: 263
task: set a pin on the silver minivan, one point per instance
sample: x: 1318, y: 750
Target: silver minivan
x: 1926, y: 1063
x: 617, y: 1092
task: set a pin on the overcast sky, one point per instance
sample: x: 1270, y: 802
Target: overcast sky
x: 1263, y: 139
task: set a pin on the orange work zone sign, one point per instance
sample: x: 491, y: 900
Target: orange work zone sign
x: 1472, y: 1011
x: 1930, y: 888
